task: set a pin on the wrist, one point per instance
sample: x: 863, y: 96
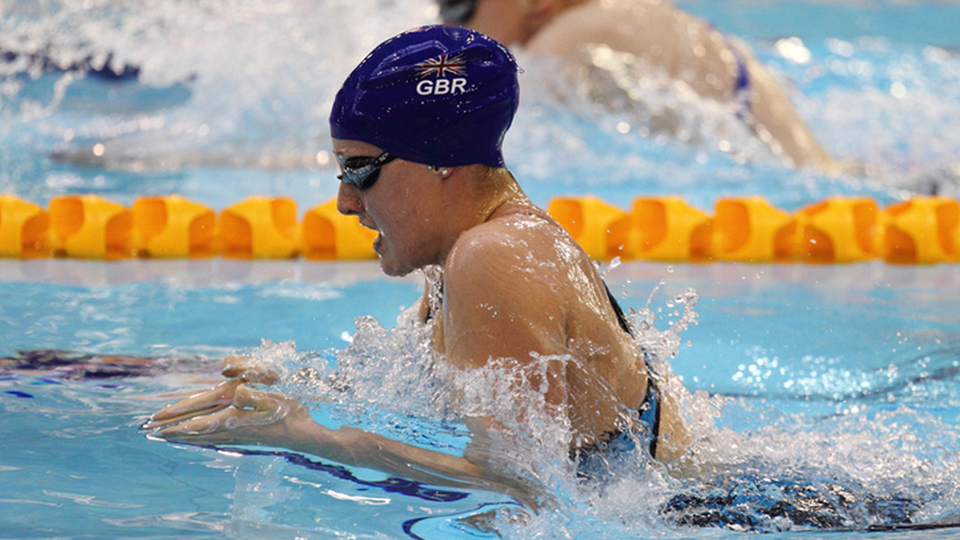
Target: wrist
x: 311, y: 437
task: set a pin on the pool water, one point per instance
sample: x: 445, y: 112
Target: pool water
x: 819, y: 376
x: 823, y: 373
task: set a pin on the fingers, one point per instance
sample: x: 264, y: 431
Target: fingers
x: 221, y: 408
x: 234, y: 365
x: 249, y: 370
x: 239, y: 370
x: 244, y: 422
x: 261, y: 407
x: 204, y: 403
x: 213, y: 428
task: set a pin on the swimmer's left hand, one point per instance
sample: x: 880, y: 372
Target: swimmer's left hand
x: 238, y: 369
x: 210, y: 401
x: 253, y: 417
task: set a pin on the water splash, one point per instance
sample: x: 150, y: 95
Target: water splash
x: 845, y: 471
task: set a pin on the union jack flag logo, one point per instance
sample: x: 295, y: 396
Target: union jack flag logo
x: 442, y: 65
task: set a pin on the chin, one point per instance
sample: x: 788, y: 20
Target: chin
x: 391, y: 264
x: 392, y: 269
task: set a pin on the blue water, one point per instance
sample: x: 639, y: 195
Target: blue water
x: 842, y: 373
x: 809, y: 359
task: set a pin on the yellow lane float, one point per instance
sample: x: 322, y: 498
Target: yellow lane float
x: 23, y: 228
x: 260, y: 228
x: 90, y: 227
x: 173, y: 227
x: 330, y: 235
x: 668, y: 229
x: 923, y: 230
x: 749, y: 229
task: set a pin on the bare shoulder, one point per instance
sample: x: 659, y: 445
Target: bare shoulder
x: 522, y: 253
x: 515, y: 243
x: 503, y: 296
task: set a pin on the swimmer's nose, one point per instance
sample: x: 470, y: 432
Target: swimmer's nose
x: 348, y: 200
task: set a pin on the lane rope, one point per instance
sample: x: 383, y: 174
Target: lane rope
x: 922, y: 230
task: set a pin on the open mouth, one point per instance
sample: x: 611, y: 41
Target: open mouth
x: 379, y: 240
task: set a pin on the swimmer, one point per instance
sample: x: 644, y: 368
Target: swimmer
x: 656, y: 32
x: 417, y: 129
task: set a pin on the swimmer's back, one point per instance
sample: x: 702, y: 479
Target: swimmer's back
x: 684, y: 46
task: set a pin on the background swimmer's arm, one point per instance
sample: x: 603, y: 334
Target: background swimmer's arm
x: 776, y: 118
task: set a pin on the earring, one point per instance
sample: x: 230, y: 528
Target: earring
x: 445, y: 172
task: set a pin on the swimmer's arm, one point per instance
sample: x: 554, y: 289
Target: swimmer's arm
x: 661, y: 35
x: 359, y: 448
x: 233, y: 414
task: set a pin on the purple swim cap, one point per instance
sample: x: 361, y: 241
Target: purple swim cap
x: 437, y: 95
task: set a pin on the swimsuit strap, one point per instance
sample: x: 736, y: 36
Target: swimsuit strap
x: 650, y: 410
x: 649, y: 414
x: 621, y: 318
x: 650, y: 405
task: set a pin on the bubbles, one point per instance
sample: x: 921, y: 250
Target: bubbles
x: 793, y: 50
x: 385, y: 381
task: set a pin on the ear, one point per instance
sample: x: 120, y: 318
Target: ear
x: 443, y: 172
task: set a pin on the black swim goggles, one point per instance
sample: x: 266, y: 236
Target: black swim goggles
x: 362, y: 171
x: 457, y: 11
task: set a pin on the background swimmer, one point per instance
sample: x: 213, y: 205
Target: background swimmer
x: 659, y: 36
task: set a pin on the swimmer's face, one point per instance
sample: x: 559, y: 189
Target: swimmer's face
x: 399, y: 205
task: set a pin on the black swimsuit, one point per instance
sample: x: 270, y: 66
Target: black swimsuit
x: 648, y: 411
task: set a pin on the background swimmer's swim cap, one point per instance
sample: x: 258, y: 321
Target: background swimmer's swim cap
x: 437, y: 95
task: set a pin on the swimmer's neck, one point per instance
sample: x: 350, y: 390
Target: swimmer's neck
x: 506, y: 195
x: 466, y: 198
x: 481, y: 194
